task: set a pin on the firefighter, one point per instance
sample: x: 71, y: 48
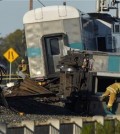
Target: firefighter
x: 85, y: 70
x: 85, y: 65
x: 111, y: 91
x: 22, y: 69
x: 23, y: 66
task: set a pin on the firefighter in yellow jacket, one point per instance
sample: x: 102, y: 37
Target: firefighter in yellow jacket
x: 111, y: 91
x: 22, y: 69
x: 23, y: 66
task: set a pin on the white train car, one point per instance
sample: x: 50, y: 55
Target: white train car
x: 50, y: 32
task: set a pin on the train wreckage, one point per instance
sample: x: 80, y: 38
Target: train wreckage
x: 58, y: 40
x: 77, y: 89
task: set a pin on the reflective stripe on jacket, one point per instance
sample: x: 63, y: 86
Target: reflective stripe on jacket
x: 114, y: 88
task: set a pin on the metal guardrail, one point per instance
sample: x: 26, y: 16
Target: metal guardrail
x: 6, y: 79
x: 13, y: 76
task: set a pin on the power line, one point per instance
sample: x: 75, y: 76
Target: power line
x: 41, y: 3
x: 30, y: 4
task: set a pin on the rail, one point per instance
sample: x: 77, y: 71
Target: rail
x: 6, y: 78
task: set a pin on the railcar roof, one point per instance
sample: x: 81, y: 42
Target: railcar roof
x: 50, y: 13
x: 105, y: 17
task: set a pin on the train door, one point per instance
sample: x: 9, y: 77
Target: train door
x: 54, y: 46
x: 101, y: 44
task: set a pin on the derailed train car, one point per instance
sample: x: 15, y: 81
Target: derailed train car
x: 52, y: 31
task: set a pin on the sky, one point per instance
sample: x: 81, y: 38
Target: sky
x: 12, y: 11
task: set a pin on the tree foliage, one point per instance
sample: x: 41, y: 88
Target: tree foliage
x: 13, y: 40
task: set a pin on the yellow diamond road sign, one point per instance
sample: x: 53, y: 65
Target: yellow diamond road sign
x: 11, y: 55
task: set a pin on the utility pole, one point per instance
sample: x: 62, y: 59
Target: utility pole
x: 105, y: 5
x: 30, y: 4
x: 116, y: 2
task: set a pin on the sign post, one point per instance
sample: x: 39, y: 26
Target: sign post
x: 10, y: 55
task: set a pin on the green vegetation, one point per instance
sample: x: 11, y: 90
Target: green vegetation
x: 109, y: 127
x: 88, y: 128
x: 117, y: 127
x: 13, y: 40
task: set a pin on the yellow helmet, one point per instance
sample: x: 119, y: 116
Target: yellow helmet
x: 22, y: 60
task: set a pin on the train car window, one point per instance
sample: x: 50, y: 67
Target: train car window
x: 113, y: 28
x: 117, y: 28
x: 101, y: 41
x: 104, y: 82
x: 54, y: 45
x: 109, y: 47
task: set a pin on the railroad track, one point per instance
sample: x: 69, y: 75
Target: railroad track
x: 32, y: 101
x: 32, y: 112
x: 32, y: 109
